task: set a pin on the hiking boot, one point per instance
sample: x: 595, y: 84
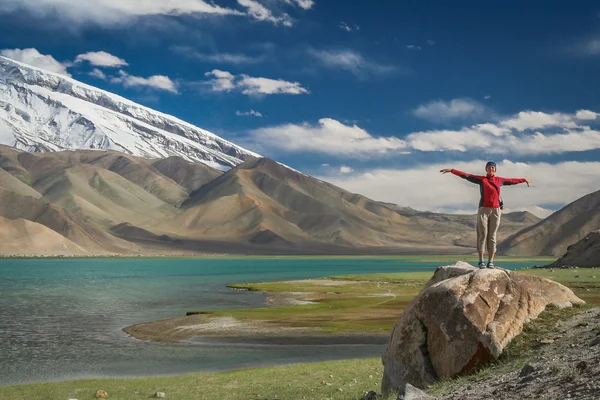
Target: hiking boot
x: 491, y: 265
x: 481, y: 264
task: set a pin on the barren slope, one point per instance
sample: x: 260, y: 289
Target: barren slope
x: 20, y: 237
x: 554, y: 234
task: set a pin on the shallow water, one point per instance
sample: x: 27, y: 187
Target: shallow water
x: 61, y: 319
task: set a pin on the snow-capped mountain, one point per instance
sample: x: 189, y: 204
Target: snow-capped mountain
x: 44, y: 111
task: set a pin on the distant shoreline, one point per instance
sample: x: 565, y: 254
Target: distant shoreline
x: 428, y: 256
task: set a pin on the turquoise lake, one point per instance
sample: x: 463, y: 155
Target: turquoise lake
x: 62, y: 319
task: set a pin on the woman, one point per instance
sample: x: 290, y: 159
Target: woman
x: 489, y: 212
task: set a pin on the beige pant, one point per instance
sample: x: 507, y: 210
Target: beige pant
x: 488, y: 221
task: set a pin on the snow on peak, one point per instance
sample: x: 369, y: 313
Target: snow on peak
x: 45, y: 111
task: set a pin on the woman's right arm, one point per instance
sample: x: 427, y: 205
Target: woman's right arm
x: 471, y: 178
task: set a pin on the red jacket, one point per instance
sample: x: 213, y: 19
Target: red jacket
x: 489, y: 186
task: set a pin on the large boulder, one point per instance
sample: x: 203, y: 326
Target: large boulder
x: 462, y: 318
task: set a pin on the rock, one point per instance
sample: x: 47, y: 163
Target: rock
x: 581, y: 366
x: 463, y: 317
x: 596, y: 341
x: 159, y: 394
x: 371, y: 395
x: 101, y: 394
x: 413, y: 393
x: 527, y: 369
x: 526, y: 379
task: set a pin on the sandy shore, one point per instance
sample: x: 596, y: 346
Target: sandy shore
x: 183, y: 328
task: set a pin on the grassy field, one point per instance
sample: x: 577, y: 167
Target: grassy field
x: 373, y: 303
x: 295, y: 382
x: 353, y: 303
x: 348, y: 304
x: 585, y: 282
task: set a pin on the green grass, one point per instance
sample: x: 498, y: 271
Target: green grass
x: 585, y: 282
x: 362, y: 304
x: 351, y: 307
x: 295, y: 382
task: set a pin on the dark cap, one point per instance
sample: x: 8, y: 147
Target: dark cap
x: 490, y: 163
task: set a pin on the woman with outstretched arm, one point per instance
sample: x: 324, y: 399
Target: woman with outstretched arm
x: 489, y: 212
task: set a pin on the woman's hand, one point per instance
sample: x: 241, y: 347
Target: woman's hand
x: 528, y: 181
x: 446, y: 170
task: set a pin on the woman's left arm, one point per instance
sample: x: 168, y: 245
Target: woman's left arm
x: 514, y: 181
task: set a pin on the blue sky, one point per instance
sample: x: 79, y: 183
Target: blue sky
x: 372, y: 96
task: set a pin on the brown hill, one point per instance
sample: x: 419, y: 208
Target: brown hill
x: 264, y: 202
x: 76, y: 229
x: 188, y: 175
x: 23, y: 237
x: 105, y: 201
x: 585, y: 253
x: 554, y: 234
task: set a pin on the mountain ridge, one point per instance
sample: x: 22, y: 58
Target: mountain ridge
x: 45, y: 111
x: 554, y: 234
x: 124, y: 204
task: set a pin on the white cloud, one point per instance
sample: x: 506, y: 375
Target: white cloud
x: 589, y: 48
x: 261, y: 13
x: 253, y: 86
x: 345, y: 170
x: 110, y: 12
x: 513, y: 135
x: 329, y: 137
x: 217, y: 58
x: 225, y: 81
x: 526, y: 120
x: 352, y: 61
x: 413, y: 47
x: 98, y: 74
x: 35, y: 58
x: 431, y: 42
x: 440, y: 111
x: 586, y: 115
x: 156, y: 81
x: 344, y: 26
x: 487, y: 97
x: 250, y: 113
x: 116, y: 11
x: 516, y: 135
x: 305, y: 4
x: 324, y: 165
x: 559, y: 183
x: 101, y: 59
